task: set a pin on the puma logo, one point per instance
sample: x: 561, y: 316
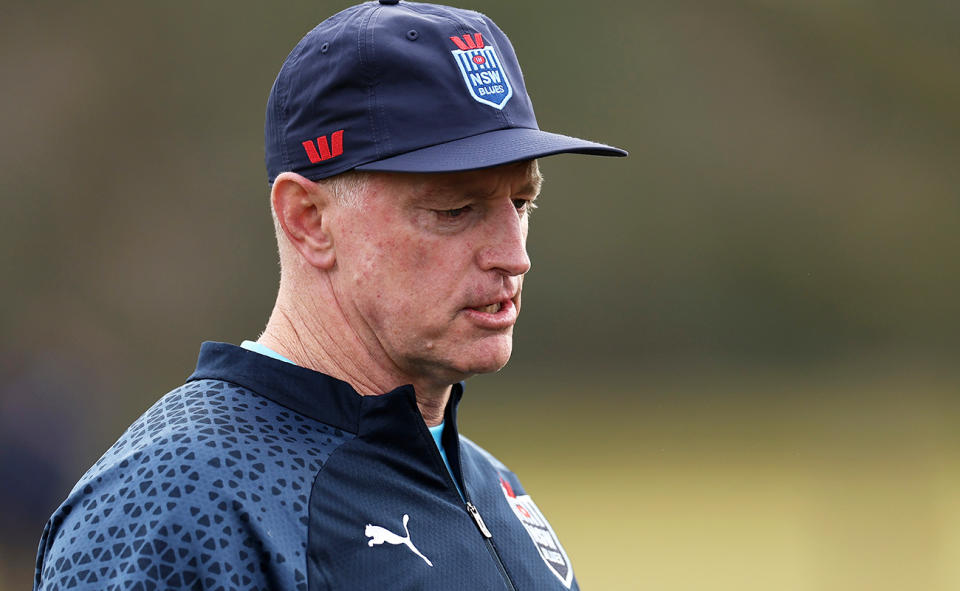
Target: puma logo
x: 379, y: 535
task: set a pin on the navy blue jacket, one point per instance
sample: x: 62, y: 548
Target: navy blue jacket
x: 259, y: 474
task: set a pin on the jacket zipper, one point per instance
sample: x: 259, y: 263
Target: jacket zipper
x: 472, y: 510
x: 488, y: 537
x: 474, y: 514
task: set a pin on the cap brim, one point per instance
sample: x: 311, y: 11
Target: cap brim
x: 488, y: 149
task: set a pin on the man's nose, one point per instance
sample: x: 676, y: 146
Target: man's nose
x: 506, y: 248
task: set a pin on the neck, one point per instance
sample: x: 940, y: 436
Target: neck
x: 302, y: 330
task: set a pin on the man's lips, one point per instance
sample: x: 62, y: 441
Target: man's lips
x: 495, y: 303
x: 494, y: 316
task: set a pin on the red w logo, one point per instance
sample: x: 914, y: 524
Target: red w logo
x: 475, y: 42
x: 326, y: 151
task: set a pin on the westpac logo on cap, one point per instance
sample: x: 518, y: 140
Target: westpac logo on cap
x: 485, y: 77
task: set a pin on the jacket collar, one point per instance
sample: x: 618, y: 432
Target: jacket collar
x: 317, y: 395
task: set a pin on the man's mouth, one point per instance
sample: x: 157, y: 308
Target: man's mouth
x: 491, y: 309
x: 496, y: 316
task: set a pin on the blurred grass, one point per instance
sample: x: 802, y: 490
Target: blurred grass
x: 835, y: 479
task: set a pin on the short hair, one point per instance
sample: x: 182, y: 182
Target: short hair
x: 348, y: 188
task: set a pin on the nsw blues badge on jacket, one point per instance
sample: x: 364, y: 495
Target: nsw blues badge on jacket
x: 540, y: 532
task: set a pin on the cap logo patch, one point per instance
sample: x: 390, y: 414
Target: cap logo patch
x: 485, y: 78
x: 323, y: 150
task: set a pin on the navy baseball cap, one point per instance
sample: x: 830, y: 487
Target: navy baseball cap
x: 405, y: 87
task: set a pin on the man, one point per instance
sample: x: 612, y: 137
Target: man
x: 400, y: 146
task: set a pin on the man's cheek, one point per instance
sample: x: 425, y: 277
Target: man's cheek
x: 422, y: 256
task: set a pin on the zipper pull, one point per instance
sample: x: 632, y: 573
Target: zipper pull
x: 472, y: 510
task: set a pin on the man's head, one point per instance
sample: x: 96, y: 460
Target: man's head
x: 401, y: 146
x: 425, y: 270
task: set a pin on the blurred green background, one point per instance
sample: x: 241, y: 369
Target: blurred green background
x: 736, y: 365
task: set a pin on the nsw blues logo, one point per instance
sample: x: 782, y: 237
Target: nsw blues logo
x: 480, y: 65
x: 553, y: 554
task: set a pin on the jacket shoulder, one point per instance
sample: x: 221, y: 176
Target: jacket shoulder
x: 473, y: 452
x: 209, y: 488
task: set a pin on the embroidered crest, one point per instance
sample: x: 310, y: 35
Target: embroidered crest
x: 541, y: 533
x: 482, y: 71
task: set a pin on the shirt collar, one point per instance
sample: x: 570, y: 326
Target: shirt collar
x: 318, y: 395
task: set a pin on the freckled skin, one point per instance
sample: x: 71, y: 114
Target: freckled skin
x: 423, y: 250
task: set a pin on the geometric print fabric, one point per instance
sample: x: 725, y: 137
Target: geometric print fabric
x: 209, y: 489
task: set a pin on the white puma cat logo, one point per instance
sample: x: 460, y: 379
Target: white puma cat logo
x: 379, y: 535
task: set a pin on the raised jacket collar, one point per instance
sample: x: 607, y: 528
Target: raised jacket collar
x: 317, y: 395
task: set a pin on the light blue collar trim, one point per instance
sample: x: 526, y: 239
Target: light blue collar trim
x: 264, y: 350
x: 437, y: 433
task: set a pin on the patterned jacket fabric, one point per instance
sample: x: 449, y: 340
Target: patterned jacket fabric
x: 259, y: 474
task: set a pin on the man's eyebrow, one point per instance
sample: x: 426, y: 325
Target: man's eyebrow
x: 479, y: 193
x: 530, y: 189
x: 433, y: 194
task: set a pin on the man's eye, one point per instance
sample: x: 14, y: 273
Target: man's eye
x: 524, y: 205
x: 453, y: 213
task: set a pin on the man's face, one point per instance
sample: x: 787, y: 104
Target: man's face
x: 429, y: 268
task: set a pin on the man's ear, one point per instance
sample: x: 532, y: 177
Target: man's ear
x: 302, y: 207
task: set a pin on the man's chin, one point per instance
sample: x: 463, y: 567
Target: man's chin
x: 487, y: 355
x: 490, y: 357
